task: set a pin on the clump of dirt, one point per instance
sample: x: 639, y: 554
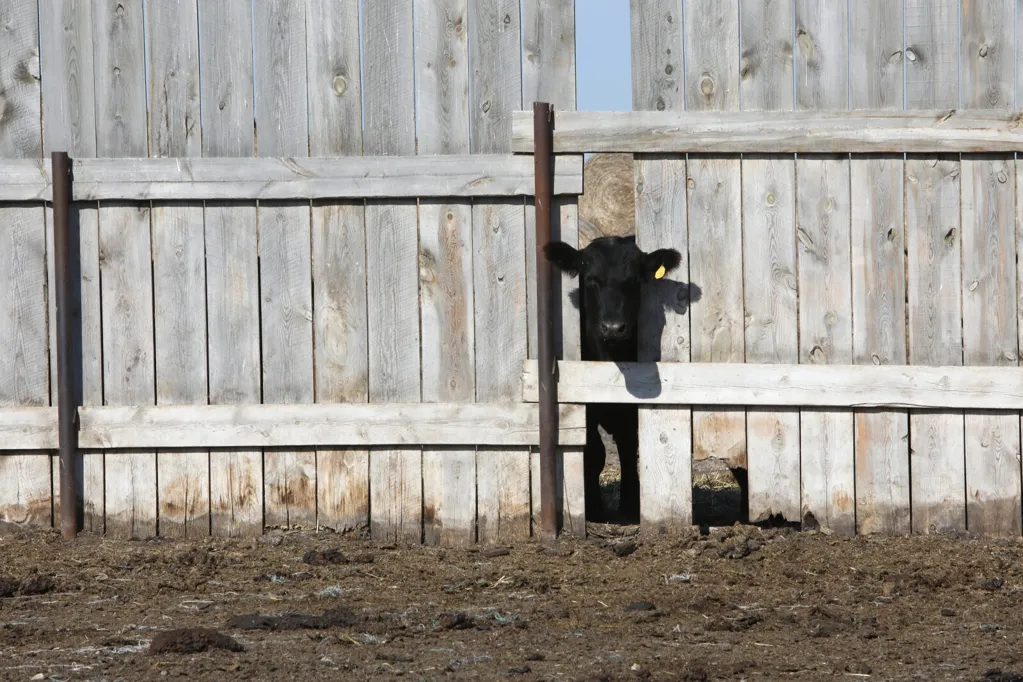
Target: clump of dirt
x: 331, y: 618
x: 192, y: 641
x: 32, y: 585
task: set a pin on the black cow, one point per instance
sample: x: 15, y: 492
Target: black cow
x: 611, y: 271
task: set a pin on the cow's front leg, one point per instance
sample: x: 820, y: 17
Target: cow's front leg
x: 594, y: 458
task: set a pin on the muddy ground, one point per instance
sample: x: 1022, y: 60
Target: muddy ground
x: 727, y: 603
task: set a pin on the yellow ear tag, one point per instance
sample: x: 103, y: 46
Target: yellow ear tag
x: 660, y: 273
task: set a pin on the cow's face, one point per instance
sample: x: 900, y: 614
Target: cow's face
x: 610, y: 271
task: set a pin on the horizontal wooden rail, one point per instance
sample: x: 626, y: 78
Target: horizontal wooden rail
x: 822, y: 386
x: 259, y: 426
x: 778, y: 132
x: 356, y: 177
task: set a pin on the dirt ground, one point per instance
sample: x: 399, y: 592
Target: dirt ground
x: 731, y: 604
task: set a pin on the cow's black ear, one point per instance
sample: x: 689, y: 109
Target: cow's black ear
x: 564, y: 257
x: 668, y: 259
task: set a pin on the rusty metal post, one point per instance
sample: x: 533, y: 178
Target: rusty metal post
x: 67, y: 410
x: 543, y: 160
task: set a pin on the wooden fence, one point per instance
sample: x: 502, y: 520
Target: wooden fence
x: 870, y: 283
x: 226, y: 279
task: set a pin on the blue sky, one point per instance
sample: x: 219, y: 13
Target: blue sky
x: 603, y: 59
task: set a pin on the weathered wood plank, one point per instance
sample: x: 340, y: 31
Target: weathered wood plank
x: 130, y: 487
x: 934, y: 268
x: 392, y: 264
x: 990, y: 337
x: 285, y: 277
x: 657, y: 74
x: 179, y: 268
x: 932, y: 53
x: 765, y: 68
x: 879, y: 334
x: 174, y: 125
x: 66, y: 66
x: 879, y: 271
x: 665, y: 434
x: 715, y: 222
x: 28, y: 428
x: 286, y: 425
x: 502, y: 475
x: 825, y: 300
x: 128, y: 362
x: 785, y: 385
x: 340, y: 338
x: 987, y: 58
x: 445, y: 266
x: 232, y: 274
x: 179, y: 281
x: 69, y: 124
x: 771, y: 286
x: 495, y: 75
x: 25, y: 498
x: 935, y: 338
x: 825, y: 335
x: 929, y: 130
x: 499, y: 276
x: 769, y: 259
x: 449, y: 358
x: 990, y: 271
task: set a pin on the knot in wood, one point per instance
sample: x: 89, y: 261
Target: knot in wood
x: 507, y: 19
x: 896, y: 57
x: 983, y: 51
x: 910, y: 54
x: 831, y: 318
x: 660, y: 104
x: 1002, y: 177
x: 340, y: 84
x: 486, y: 106
x: 707, y: 85
x: 669, y: 69
x: 770, y: 199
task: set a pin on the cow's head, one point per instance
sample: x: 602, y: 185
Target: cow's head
x: 610, y: 272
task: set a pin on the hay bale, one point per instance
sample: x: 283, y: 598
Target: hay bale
x: 608, y: 205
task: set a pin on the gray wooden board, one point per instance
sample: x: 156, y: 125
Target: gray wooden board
x: 934, y: 268
x: 179, y: 268
x: 990, y: 270
x: 779, y: 132
x: 25, y: 499
x: 879, y: 272
x: 340, y: 341
x: 232, y: 270
x: 392, y: 279
x: 769, y: 258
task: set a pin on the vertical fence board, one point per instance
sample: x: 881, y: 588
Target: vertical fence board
x: 499, y: 276
x: 69, y: 124
x: 391, y: 263
x: 125, y: 262
x: 769, y: 259
x: 933, y: 235
x: 445, y: 266
x: 822, y: 211
x: 664, y: 433
x: 285, y: 277
x: 502, y: 475
x: 25, y: 499
x: 179, y: 269
x: 232, y: 275
x: 715, y: 222
x: 879, y: 271
x: 340, y: 339
x: 548, y: 75
x: 990, y: 325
